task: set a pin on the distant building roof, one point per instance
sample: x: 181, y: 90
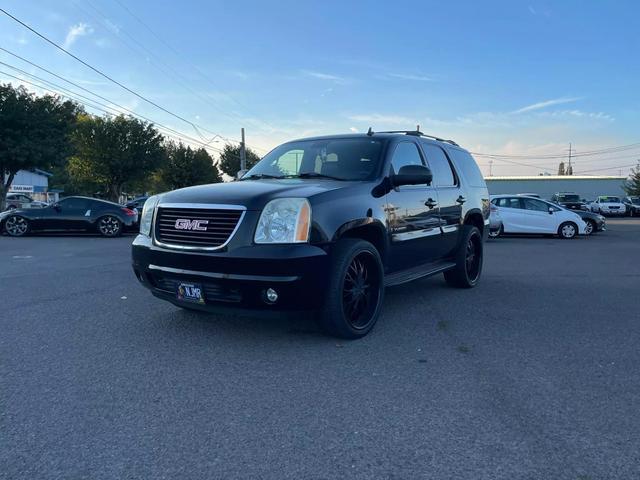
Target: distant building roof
x: 556, y: 177
x: 42, y: 172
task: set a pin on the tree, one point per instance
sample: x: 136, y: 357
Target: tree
x: 184, y: 166
x: 230, y: 159
x: 34, y: 133
x: 632, y: 185
x: 115, y: 152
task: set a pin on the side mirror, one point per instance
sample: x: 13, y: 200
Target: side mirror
x: 412, y: 175
x: 56, y: 207
x: 241, y: 173
x: 551, y: 210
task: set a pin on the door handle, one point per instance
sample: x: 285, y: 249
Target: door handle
x: 461, y: 200
x: 430, y: 203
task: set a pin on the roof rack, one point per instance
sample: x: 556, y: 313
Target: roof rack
x: 416, y: 133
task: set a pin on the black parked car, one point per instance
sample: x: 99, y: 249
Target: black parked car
x: 595, y: 222
x: 137, y: 204
x: 570, y: 201
x: 633, y: 205
x: 70, y: 214
x: 319, y: 224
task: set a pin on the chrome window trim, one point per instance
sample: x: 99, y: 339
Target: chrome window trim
x: 205, y: 206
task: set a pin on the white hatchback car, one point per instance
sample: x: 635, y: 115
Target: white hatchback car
x: 608, y: 205
x: 520, y: 214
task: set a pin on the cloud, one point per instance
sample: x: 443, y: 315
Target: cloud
x: 326, y: 76
x: 547, y: 103
x: 79, y: 30
x: 353, y: 129
x: 408, y: 76
x: 581, y: 114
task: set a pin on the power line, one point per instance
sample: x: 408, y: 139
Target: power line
x: 99, y: 72
x: 102, y: 107
x: 621, y: 148
x: 131, y: 112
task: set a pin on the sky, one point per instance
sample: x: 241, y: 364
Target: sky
x: 518, y: 79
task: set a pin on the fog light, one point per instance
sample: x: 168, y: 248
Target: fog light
x: 271, y: 295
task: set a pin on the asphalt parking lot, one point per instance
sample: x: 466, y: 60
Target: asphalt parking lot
x: 532, y: 375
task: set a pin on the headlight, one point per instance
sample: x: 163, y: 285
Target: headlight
x: 284, y: 220
x: 147, y: 215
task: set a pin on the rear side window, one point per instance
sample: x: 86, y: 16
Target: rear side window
x: 443, y: 175
x: 406, y: 153
x: 465, y: 163
x: 509, y: 202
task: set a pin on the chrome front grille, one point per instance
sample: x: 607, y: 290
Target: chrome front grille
x: 196, y: 227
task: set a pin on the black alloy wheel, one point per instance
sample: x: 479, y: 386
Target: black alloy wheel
x: 361, y: 290
x: 109, y: 226
x: 468, y: 259
x: 355, y: 290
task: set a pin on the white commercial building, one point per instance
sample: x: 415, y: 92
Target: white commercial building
x: 588, y: 187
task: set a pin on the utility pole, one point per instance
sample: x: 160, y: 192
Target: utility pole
x: 569, y: 167
x: 243, y: 152
x: 491, y: 168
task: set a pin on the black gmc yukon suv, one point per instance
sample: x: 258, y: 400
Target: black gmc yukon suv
x: 320, y: 224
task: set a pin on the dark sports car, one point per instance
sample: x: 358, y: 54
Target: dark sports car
x: 70, y: 214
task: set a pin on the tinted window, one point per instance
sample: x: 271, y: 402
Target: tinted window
x: 439, y: 163
x: 536, y: 205
x: 508, y: 202
x: 569, y: 198
x: 344, y: 158
x: 406, y: 153
x: 465, y: 164
x: 74, y: 203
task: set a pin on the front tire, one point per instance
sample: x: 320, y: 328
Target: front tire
x: 469, y: 258
x: 354, y: 295
x: 590, y: 228
x: 16, y: 226
x: 568, y: 230
x: 109, y: 226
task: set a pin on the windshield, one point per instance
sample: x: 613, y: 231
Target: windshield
x: 569, y: 198
x: 341, y: 159
x: 635, y: 200
x: 609, y: 200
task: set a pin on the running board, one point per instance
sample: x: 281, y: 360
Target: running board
x: 404, y: 276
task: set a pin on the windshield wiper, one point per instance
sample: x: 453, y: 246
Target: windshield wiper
x: 258, y: 176
x: 316, y: 175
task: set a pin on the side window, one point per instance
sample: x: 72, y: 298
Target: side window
x: 467, y: 166
x: 536, y: 205
x: 406, y: 153
x: 73, y: 203
x: 437, y: 160
x: 509, y: 202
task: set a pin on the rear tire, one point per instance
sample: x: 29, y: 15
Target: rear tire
x: 355, y: 290
x: 568, y: 230
x: 496, y: 233
x: 109, y: 226
x: 469, y: 258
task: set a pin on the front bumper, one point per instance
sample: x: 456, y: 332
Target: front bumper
x: 237, y: 279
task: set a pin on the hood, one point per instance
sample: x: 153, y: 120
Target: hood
x: 253, y: 194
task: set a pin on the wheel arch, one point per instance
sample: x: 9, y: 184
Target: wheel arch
x: 474, y: 217
x: 370, y: 229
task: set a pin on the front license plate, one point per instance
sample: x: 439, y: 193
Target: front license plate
x: 190, y: 292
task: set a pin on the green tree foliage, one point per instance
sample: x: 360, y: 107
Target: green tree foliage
x: 230, y: 159
x: 34, y: 133
x: 114, y: 153
x: 184, y: 166
x: 632, y: 185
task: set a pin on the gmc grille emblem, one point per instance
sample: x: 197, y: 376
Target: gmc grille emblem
x: 186, y: 224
